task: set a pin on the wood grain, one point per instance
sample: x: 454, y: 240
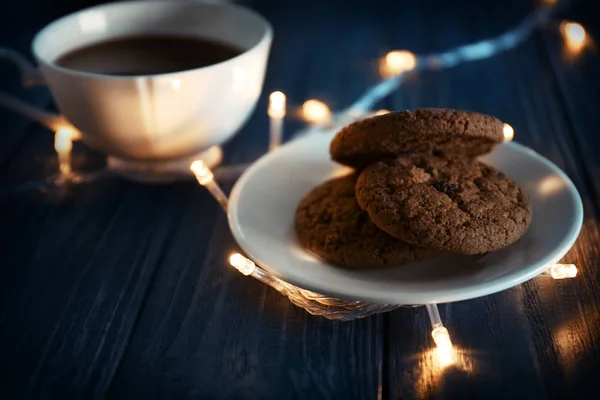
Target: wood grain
x: 209, y: 332
x: 122, y: 290
x: 75, y: 274
x: 536, y: 340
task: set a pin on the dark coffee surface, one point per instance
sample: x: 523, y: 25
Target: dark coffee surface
x: 147, y: 55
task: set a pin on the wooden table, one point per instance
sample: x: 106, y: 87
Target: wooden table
x: 122, y: 290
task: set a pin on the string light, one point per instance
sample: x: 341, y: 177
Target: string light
x: 316, y: 112
x: 242, y: 264
x: 469, y: 52
x: 203, y: 174
x: 60, y: 123
x: 394, y: 64
x: 205, y: 177
x: 574, y: 34
x: 444, y: 348
x: 509, y: 132
x: 562, y: 271
x: 441, y: 337
x: 276, y: 112
x: 276, y: 105
x: 51, y: 121
x: 397, y: 62
x: 63, y: 144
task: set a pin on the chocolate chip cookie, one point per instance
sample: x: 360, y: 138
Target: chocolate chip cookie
x: 453, y: 204
x: 330, y: 224
x: 429, y: 130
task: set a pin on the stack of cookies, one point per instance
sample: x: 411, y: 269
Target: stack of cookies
x: 417, y: 190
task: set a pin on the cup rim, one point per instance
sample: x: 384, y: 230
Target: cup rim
x: 267, y: 36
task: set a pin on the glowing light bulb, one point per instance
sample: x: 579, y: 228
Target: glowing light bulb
x: 444, y: 350
x: 509, y: 132
x: 60, y: 123
x: 382, y: 112
x: 563, y: 271
x: 316, y: 112
x: 441, y: 337
x: 63, y: 140
x: 445, y: 357
x: 203, y: 174
x: 574, y: 34
x: 276, y: 113
x: 206, y: 178
x: 397, y: 62
x: 63, y: 144
x: 65, y: 130
x: 277, y: 102
x: 242, y: 264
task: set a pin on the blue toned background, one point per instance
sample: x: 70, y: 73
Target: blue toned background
x: 122, y: 290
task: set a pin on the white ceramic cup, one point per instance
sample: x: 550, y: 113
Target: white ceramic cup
x: 164, y: 116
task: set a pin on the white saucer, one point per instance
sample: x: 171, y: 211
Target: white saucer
x: 264, y: 200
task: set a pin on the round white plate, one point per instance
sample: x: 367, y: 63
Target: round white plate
x: 264, y: 200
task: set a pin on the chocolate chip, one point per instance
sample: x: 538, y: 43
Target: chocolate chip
x: 438, y: 153
x: 501, y: 175
x: 446, y: 187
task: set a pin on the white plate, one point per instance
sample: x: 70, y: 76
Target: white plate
x: 264, y: 200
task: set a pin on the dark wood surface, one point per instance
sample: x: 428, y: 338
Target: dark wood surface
x: 121, y: 290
